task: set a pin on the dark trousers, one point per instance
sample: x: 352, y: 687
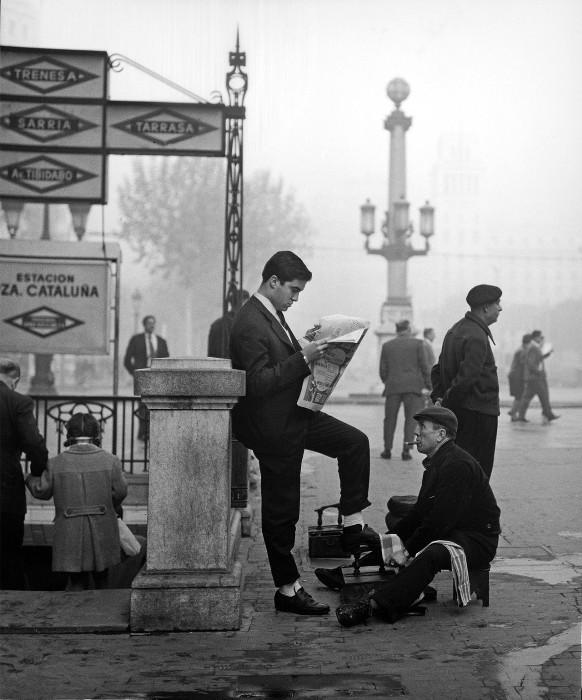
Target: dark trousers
x: 413, y: 403
x: 400, y: 591
x: 477, y: 433
x: 280, y: 486
x: 533, y: 386
x: 11, y: 561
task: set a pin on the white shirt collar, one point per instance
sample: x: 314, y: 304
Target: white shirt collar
x: 267, y: 304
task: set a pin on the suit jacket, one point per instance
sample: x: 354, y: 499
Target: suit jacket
x: 18, y: 433
x: 534, y: 362
x: 267, y: 418
x: 136, y: 354
x: 404, y: 366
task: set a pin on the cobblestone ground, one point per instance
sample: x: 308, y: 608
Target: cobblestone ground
x: 526, y: 645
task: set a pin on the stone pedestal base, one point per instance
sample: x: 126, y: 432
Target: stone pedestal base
x: 185, y: 601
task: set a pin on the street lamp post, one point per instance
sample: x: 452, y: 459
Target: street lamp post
x: 396, y: 228
x: 12, y: 210
x: 136, y: 300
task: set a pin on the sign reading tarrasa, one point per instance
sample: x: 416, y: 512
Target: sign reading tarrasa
x: 165, y: 127
x: 53, y: 73
x: 52, y: 305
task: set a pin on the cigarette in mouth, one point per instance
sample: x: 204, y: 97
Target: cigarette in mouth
x: 414, y: 442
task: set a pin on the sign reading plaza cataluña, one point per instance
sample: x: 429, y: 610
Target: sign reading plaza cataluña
x: 56, y: 304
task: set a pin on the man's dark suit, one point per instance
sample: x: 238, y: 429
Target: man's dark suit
x: 268, y: 421
x: 18, y: 433
x: 136, y: 357
x: 136, y: 354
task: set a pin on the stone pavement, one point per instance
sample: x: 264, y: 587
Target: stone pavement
x: 526, y: 645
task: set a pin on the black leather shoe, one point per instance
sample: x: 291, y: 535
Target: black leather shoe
x: 553, y: 417
x: 354, y: 538
x: 353, y: 613
x: 406, y: 455
x: 300, y: 604
x: 386, y: 454
x: 332, y: 578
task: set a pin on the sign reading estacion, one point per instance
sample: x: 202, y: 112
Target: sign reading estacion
x: 49, y: 306
x: 165, y: 127
x: 53, y: 73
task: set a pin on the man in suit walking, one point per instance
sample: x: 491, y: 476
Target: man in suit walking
x: 268, y: 421
x: 405, y: 372
x: 18, y: 433
x: 141, y: 349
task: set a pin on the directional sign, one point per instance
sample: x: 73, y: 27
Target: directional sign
x: 53, y: 73
x: 38, y: 124
x: 54, y: 306
x: 52, y: 176
x: 165, y: 127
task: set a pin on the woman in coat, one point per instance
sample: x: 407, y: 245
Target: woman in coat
x: 87, y: 484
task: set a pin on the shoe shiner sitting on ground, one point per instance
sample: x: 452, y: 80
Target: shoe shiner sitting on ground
x: 453, y: 525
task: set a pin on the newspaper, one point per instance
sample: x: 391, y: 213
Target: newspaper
x: 343, y: 334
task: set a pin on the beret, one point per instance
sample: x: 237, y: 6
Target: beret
x: 483, y: 294
x: 442, y: 416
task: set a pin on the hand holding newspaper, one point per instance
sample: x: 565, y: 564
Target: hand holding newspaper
x: 343, y: 335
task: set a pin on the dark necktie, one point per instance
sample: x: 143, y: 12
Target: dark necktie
x: 289, y: 331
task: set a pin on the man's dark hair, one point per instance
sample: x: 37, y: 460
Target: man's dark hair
x: 426, y: 331
x: 9, y: 367
x: 526, y: 338
x: 286, y: 266
x: 536, y: 334
x: 145, y: 318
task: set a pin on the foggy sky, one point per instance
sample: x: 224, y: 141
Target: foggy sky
x: 508, y: 73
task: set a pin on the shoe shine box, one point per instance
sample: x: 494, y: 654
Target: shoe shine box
x: 325, y: 540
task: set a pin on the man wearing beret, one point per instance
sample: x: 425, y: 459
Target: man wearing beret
x: 455, y: 506
x: 465, y: 376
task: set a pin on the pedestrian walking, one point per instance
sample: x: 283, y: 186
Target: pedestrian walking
x: 18, y: 434
x: 465, y: 376
x: 405, y: 371
x: 87, y: 485
x: 516, y: 376
x: 268, y: 421
x: 141, y: 350
x: 536, y: 381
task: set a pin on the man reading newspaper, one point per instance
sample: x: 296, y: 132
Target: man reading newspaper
x: 269, y: 421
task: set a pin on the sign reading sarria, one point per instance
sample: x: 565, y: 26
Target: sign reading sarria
x: 52, y: 176
x: 38, y: 124
x: 49, y: 306
x: 165, y: 127
x: 53, y: 73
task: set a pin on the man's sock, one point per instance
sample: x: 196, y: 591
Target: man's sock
x: 354, y: 519
x: 289, y: 589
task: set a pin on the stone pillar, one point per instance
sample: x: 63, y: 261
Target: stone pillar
x: 192, y: 579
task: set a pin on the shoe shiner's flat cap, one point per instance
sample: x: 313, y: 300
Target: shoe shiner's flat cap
x: 442, y: 416
x: 483, y: 294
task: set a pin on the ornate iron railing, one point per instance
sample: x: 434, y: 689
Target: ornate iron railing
x: 117, y: 416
